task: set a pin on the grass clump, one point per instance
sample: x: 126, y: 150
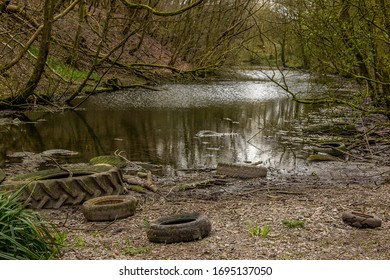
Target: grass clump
x: 131, y: 250
x: 293, y: 223
x: 24, y: 234
x: 255, y: 230
x: 64, y: 70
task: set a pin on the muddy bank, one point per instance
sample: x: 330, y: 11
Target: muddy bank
x: 317, y: 198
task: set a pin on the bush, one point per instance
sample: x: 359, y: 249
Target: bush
x: 24, y: 234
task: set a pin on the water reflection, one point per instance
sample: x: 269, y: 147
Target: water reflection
x: 160, y: 127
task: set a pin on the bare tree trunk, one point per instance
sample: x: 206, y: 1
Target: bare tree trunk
x: 97, y: 55
x: 75, y: 51
x: 40, y: 64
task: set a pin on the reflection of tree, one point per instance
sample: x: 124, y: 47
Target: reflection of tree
x: 99, y: 148
x: 19, y: 137
x: 69, y: 130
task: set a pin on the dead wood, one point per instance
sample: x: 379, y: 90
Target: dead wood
x: 146, y: 183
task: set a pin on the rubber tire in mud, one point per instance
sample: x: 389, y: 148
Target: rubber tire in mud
x: 331, y: 148
x: 109, y: 208
x: 361, y: 220
x: 179, y: 228
x: 54, y: 188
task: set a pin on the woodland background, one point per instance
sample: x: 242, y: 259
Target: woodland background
x: 55, y: 50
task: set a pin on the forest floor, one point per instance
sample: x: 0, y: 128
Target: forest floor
x: 317, y: 195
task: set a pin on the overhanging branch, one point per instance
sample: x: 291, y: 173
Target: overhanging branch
x: 159, y: 13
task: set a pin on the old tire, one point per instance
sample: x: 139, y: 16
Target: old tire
x: 178, y: 228
x: 54, y: 188
x: 109, y: 208
x: 241, y: 170
x: 361, y: 220
x: 331, y: 148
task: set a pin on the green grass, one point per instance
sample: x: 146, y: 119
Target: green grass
x: 24, y: 234
x: 265, y: 230
x: 138, y: 189
x: 64, y: 70
x: 79, y: 242
x: 255, y: 230
x: 293, y: 223
x: 130, y: 250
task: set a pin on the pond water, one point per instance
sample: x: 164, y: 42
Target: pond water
x: 252, y: 118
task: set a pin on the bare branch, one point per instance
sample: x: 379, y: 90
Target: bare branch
x: 159, y: 13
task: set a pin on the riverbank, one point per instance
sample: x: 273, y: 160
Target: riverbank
x: 316, y: 195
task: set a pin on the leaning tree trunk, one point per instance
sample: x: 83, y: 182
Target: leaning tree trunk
x: 29, y: 88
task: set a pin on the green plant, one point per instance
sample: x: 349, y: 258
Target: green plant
x: 79, y: 242
x: 24, y: 234
x: 265, y: 230
x: 294, y: 223
x: 255, y: 230
x: 95, y: 233
x: 138, y: 189
x: 63, y: 70
x: 146, y: 222
x: 130, y: 250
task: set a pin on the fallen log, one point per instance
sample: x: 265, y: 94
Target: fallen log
x: 146, y: 183
x: 202, y: 184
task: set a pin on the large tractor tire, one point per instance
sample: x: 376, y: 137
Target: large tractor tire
x: 54, y: 188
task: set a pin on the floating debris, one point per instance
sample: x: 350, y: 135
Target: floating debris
x: 210, y: 133
x: 213, y: 149
x: 59, y: 152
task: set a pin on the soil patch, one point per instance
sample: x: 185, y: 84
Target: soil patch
x: 317, y: 196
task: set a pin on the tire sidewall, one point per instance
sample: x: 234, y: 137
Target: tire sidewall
x: 179, y: 228
x: 331, y: 148
x: 96, y: 209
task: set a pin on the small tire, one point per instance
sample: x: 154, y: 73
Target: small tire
x: 361, y: 220
x: 109, y: 208
x: 179, y: 228
x: 331, y: 148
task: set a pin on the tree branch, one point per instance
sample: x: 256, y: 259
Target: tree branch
x: 159, y: 13
x: 7, y: 66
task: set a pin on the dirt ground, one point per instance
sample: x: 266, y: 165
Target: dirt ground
x: 317, y: 195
